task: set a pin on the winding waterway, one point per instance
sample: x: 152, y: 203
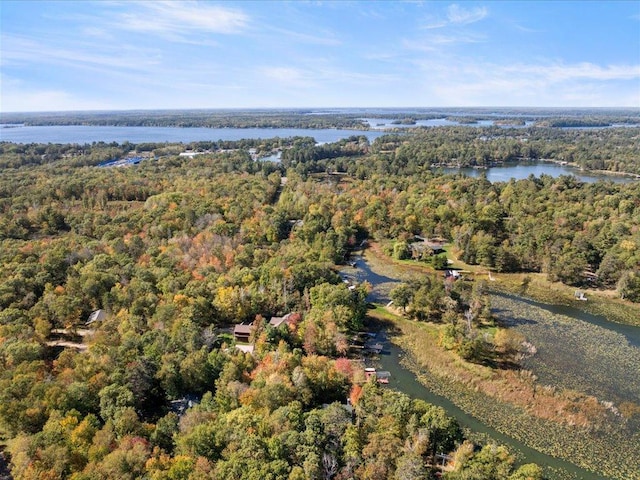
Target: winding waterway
x: 406, y: 381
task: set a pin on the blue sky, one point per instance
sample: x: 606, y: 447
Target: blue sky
x: 108, y: 55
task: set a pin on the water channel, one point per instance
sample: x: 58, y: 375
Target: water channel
x: 522, y: 170
x: 406, y: 381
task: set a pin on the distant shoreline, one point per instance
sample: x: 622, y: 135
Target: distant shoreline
x: 599, y: 172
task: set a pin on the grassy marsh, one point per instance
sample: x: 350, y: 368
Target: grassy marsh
x: 577, y: 398
x: 564, y: 423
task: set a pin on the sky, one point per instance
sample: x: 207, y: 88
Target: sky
x: 153, y: 54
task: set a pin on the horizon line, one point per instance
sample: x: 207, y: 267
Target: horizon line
x: 291, y: 109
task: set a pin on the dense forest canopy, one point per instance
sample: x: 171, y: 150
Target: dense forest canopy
x: 175, y: 249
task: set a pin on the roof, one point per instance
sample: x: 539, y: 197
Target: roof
x: 96, y: 316
x: 277, y: 321
x: 242, y: 329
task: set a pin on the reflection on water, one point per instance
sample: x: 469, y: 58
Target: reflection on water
x: 521, y: 171
x: 404, y: 380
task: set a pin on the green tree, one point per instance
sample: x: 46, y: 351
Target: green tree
x: 402, y: 295
x: 114, y: 398
x: 629, y: 286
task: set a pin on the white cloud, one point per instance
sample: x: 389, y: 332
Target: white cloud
x: 17, y: 98
x: 436, y: 42
x: 18, y: 50
x: 462, y: 16
x: 457, y: 16
x: 288, y: 76
x: 323, y: 76
x: 578, y: 71
x: 97, y: 32
x: 522, y: 28
x: 176, y: 18
x: 465, y: 82
x: 327, y: 38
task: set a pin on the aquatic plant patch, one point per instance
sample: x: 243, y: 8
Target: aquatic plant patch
x: 574, y: 354
x: 608, y: 446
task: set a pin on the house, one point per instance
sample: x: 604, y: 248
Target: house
x: 97, y: 316
x: 419, y: 250
x: 423, y: 248
x: 455, y: 274
x: 275, y: 322
x: 181, y: 405
x: 296, y: 224
x: 436, y: 245
x: 243, y: 332
x: 380, y: 376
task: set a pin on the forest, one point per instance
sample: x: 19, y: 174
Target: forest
x: 326, y: 118
x: 178, y: 250
x: 413, y: 151
x: 192, y: 118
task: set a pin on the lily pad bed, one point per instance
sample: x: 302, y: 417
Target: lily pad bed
x: 575, y: 354
x: 611, y: 448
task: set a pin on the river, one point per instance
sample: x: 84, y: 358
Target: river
x: 406, y: 381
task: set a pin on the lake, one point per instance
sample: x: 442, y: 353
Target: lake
x: 519, y: 171
x: 382, y: 123
x: 88, y: 134
x: 82, y: 134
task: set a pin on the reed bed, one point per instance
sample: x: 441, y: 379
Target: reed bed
x: 562, y: 423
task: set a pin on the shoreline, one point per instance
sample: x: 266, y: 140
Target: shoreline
x: 599, y: 172
x: 538, y: 288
